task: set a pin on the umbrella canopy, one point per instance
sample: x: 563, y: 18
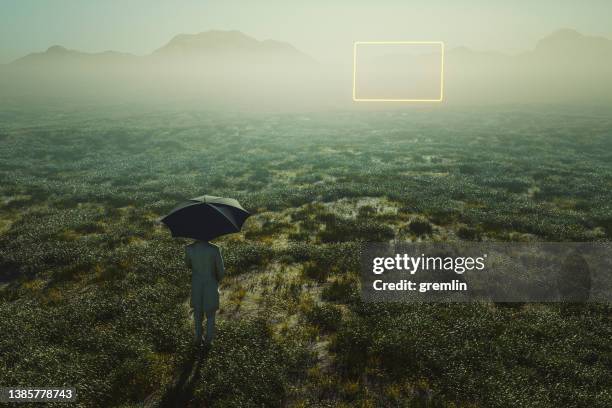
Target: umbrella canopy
x: 206, y: 217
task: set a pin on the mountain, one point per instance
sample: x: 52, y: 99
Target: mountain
x: 559, y: 49
x: 220, y: 67
x: 60, y: 55
x: 213, y: 48
x: 565, y: 66
x: 567, y: 41
x: 224, y: 44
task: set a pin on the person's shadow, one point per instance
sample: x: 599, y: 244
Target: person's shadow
x: 181, y: 392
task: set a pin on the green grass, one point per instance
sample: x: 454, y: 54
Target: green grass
x: 94, y: 290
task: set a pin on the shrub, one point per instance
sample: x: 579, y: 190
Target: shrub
x: 326, y: 317
x: 341, y: 290
x: 316, y: 271
x: 345, y: 230
x: 468, y: 233
x: 420, y: 226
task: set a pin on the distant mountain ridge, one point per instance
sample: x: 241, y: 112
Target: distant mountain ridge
x: 566, y: 38
x: 223, y: 42
x: 211, y: 44
x: 556, y: 44
x: 215, y: 43
x: 59, y: 54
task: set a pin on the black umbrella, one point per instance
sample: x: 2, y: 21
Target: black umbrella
x: 206, y: 217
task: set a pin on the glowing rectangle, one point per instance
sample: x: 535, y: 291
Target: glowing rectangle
x: 357, y: 43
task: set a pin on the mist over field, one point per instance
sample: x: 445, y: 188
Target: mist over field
x: 233, y: 70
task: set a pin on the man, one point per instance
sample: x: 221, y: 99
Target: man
x: 207, y: 269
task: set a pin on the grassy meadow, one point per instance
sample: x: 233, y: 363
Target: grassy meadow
x: 94, y: 291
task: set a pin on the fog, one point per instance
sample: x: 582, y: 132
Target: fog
x: 231, y: 70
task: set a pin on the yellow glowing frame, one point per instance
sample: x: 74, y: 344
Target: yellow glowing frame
x: 356, y: 43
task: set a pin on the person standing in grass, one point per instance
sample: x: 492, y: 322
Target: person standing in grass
x: 207, y: 271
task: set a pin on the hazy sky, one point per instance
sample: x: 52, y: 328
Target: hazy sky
x: 324, y: 29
